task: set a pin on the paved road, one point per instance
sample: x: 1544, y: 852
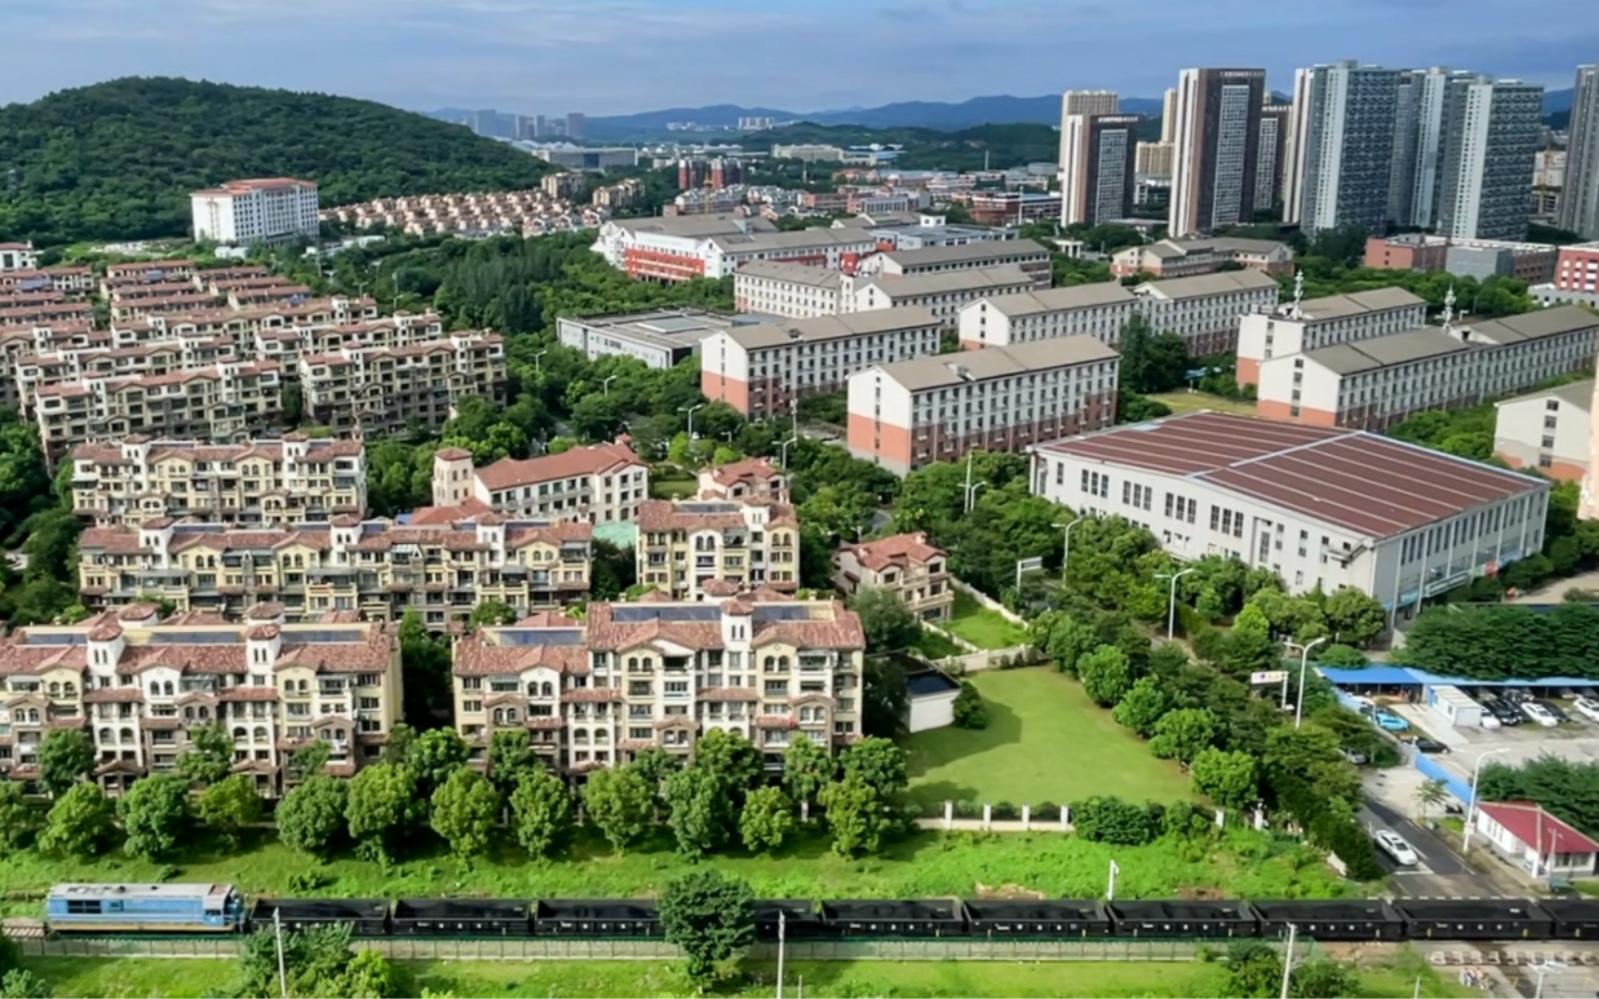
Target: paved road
x: 1440, y: 873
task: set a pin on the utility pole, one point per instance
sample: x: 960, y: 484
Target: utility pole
x: 283, y: 973
x: 782, y: 935
x: 1288, y: 958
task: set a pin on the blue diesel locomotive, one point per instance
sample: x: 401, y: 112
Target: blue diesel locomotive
x: 172, y: 908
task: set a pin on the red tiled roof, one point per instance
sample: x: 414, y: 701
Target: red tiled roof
x: 510, y: 472
x: 1537, y: 828
x: 1372, y: 485
x: 898, y: 549
x: 744, y: 471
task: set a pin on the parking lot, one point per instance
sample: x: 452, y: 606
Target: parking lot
x: 1576, y: 739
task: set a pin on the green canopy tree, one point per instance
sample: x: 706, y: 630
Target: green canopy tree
x: 541, y: 813
x: 66, y: 756
x: 464, y: 811
x: 155, y: 813
x: 711, y: 917
x: 311, y: 817
x: 618, y: 802
x: 385, y: 805
x: 81, y: 823
x: 228, y: 807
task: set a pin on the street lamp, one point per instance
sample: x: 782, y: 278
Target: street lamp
x: 537, y: 367
x: 1304, y: 663
x: 971, y: 494
x: 1543, y: 968
x: 1066, y: 546
x: 1471, y: 802
x: 690, y: 411
x: 783, y: 453
x: 605, y: 389
x: 1171, y: 608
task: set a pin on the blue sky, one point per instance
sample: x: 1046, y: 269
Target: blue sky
x: 619, y: 56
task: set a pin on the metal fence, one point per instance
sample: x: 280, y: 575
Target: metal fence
x: 557, y: 949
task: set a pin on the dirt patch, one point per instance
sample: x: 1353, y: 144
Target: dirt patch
x: 1007, y: 891
x: 1192, y: 894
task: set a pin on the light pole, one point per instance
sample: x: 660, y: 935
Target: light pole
x: 1471, y: 803
x: 1543, y: 968
x: 1171, y: 606
x: 970, y: 487
x: 1066, y: 546
x: 1304, y: 663
x: 605, y: 389
x: 690, y: 411
x: 783, y: 453
x: 537, y: 358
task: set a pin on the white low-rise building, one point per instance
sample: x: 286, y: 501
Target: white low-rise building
x: 267, y: 210
x: 1325, y: 508
x: 797, y: 291
x: 1550, y: 430
x: 602, y: 484
x: 942, y: 294
x: 1098, y: 310
x: 1297, y: 326
x: 1205, y: 310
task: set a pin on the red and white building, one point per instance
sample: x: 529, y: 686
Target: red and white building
x: 714, y: 246
x: 18, y: 257
x: 1541, y: 843
x: 601, y: 484
x: 1577, y: 269
x: 265, y: 210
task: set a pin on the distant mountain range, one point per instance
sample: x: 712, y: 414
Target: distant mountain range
x: 941, y: 115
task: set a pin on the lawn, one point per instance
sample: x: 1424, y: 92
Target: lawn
x: 935, y: 646
x: 1045, y: 741
x: 1192, y: 402
x: 982, y: 627
x: 673, y: 486
x: 191, y: 979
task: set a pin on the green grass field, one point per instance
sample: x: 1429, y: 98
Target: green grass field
x: 191, y: 979
x: 1045, y: 741
x: 1193, y: 402
x: 982, y: 627
x: 934, y: 646
x: 673, y: 487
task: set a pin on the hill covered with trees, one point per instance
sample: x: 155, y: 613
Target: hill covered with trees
x: 117, y: 160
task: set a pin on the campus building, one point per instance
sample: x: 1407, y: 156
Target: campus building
x: 695, y: 548
x: 1550, y: 430
x: 1171, y: 258
x: 1300, y: 325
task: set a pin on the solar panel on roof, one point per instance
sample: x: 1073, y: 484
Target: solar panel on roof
x: 785, y: 612
x: 318, y: 636
x: 640, y: 613
x: 76, y: 638
x: 524, y: 637
x: 708, y: 507
x: 193, y: 638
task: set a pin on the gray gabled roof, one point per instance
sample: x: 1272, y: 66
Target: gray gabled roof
x: 1385, y: 351
x: 1201, y: 285
x: 1081, y: 296
x: 777, y: 270
x: 933, y: 256
x: 787, y: 331
x: 923, y: 373
x: 897, y: 287
x: 1535, y: 325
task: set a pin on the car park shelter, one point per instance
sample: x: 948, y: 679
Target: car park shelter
x: 1386, y: 678
x: 1472, y: 919
x: 1052, y: 918
x: 366, y: 917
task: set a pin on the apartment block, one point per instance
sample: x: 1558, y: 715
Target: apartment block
x: 660, y: 673
x: 1323, y: 508
x: 291, y: 480
x: 797, y: 291
x: 387, y: 390
x: 1577, y: 270
x: 1297, y: 326
x: 1024, y: 254
x: 1373, y: 384
x: 1098, y: 310
x: 693, y: 549
x: 1490, y: 131
x: 941, y: 294
x: 1154, y: 159
x: 138, y: 686
x: 600, y: 484
x: 18, y: 257
x: 909, y: 413
x: 225, y: 401
x: 1099, y: 159
x: 762, y: 370
x: 904, y: 565
x: 1188, y: 257
x: 377, y: 568
x: 1205, y: 310
x: 1550, y: 430
x: 1348, y: 146
x: 1271, y: 156
x: 1579, y: 194
x: 266, y: 210
x: 1217, y: 143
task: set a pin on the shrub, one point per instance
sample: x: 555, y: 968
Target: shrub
x: 969, y: 710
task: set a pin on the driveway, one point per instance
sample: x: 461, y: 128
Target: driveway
x: 1440, y: 873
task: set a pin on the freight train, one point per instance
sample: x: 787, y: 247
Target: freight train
x: 113, y: 909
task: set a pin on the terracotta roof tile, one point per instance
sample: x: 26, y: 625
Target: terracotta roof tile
x: 599, y: 458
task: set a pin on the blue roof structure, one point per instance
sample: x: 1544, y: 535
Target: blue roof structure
x: 1390, y: 675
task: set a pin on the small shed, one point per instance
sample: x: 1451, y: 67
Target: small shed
x: 366, y: 917
x: 1153, y: 918
x: 1050, y: 919
x: 1331, y: 919
x: 1542, y: 844
x: 1472, y: 919
x: 1452, y: 705
x: 798, y: 919
x: 588, y: 917
x: 469, y: 917
x: 884, y: 918
x: 930, y: 700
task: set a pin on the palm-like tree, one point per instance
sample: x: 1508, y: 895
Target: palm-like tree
x: 1431, y: 794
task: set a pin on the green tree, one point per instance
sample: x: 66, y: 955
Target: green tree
x: 309, y: 761
x: 618, y: 802
x: 732, y: 759
x: 20, y: 983
x: 699, y: 810
x: 855, y: 816
x: 710, y: 917
x: 66, y: 756
x: 434, y: 756
x: 968, y: 709
x: 490, y: 613
x: 1355, y: 617
x: 879, y: 764
x: 81, y: 823
x: 155, y: 813
x: 1183, y: 734
x: 1254, y: 970
x: 385, y: 805
x: 1144, y: 704
x: 541, y: 813
x: 886, y: 697
x: 888, y: 623
x: 465, y: 808
x: 1064, y: 638
x: 1323, y: 978
x: 1430, y: 795
x: 425, y: 671
x: 655, y: 765
x: 1226, y: 777
x: 311, y: 817
x: 767, y: 819
x: 807, y: 768
x: 229, y: 806
x: 1106, y: 675
x: 511, y: 757
x: 209, y: 758
x: 18, y: 820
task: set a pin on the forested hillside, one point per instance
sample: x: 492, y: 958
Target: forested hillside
x: 117, y: 160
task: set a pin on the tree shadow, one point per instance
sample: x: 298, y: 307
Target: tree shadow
x: 946, y: 746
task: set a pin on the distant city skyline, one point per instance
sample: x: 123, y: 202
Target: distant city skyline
x: 610, y: 57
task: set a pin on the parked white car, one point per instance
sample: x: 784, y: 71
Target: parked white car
x: 1587, y: 707
x: 1394, y: 845
x: 1538, y: 713
x: 1488, y: 721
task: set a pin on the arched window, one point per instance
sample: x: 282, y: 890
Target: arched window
x: 126, y: 735
x: 55, y: 690
x: 239, y: 732
x: 548, y: 689
x: 260, y: 733
x: 106, y: 735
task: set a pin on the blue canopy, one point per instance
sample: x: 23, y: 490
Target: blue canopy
x: 1391, y: 675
